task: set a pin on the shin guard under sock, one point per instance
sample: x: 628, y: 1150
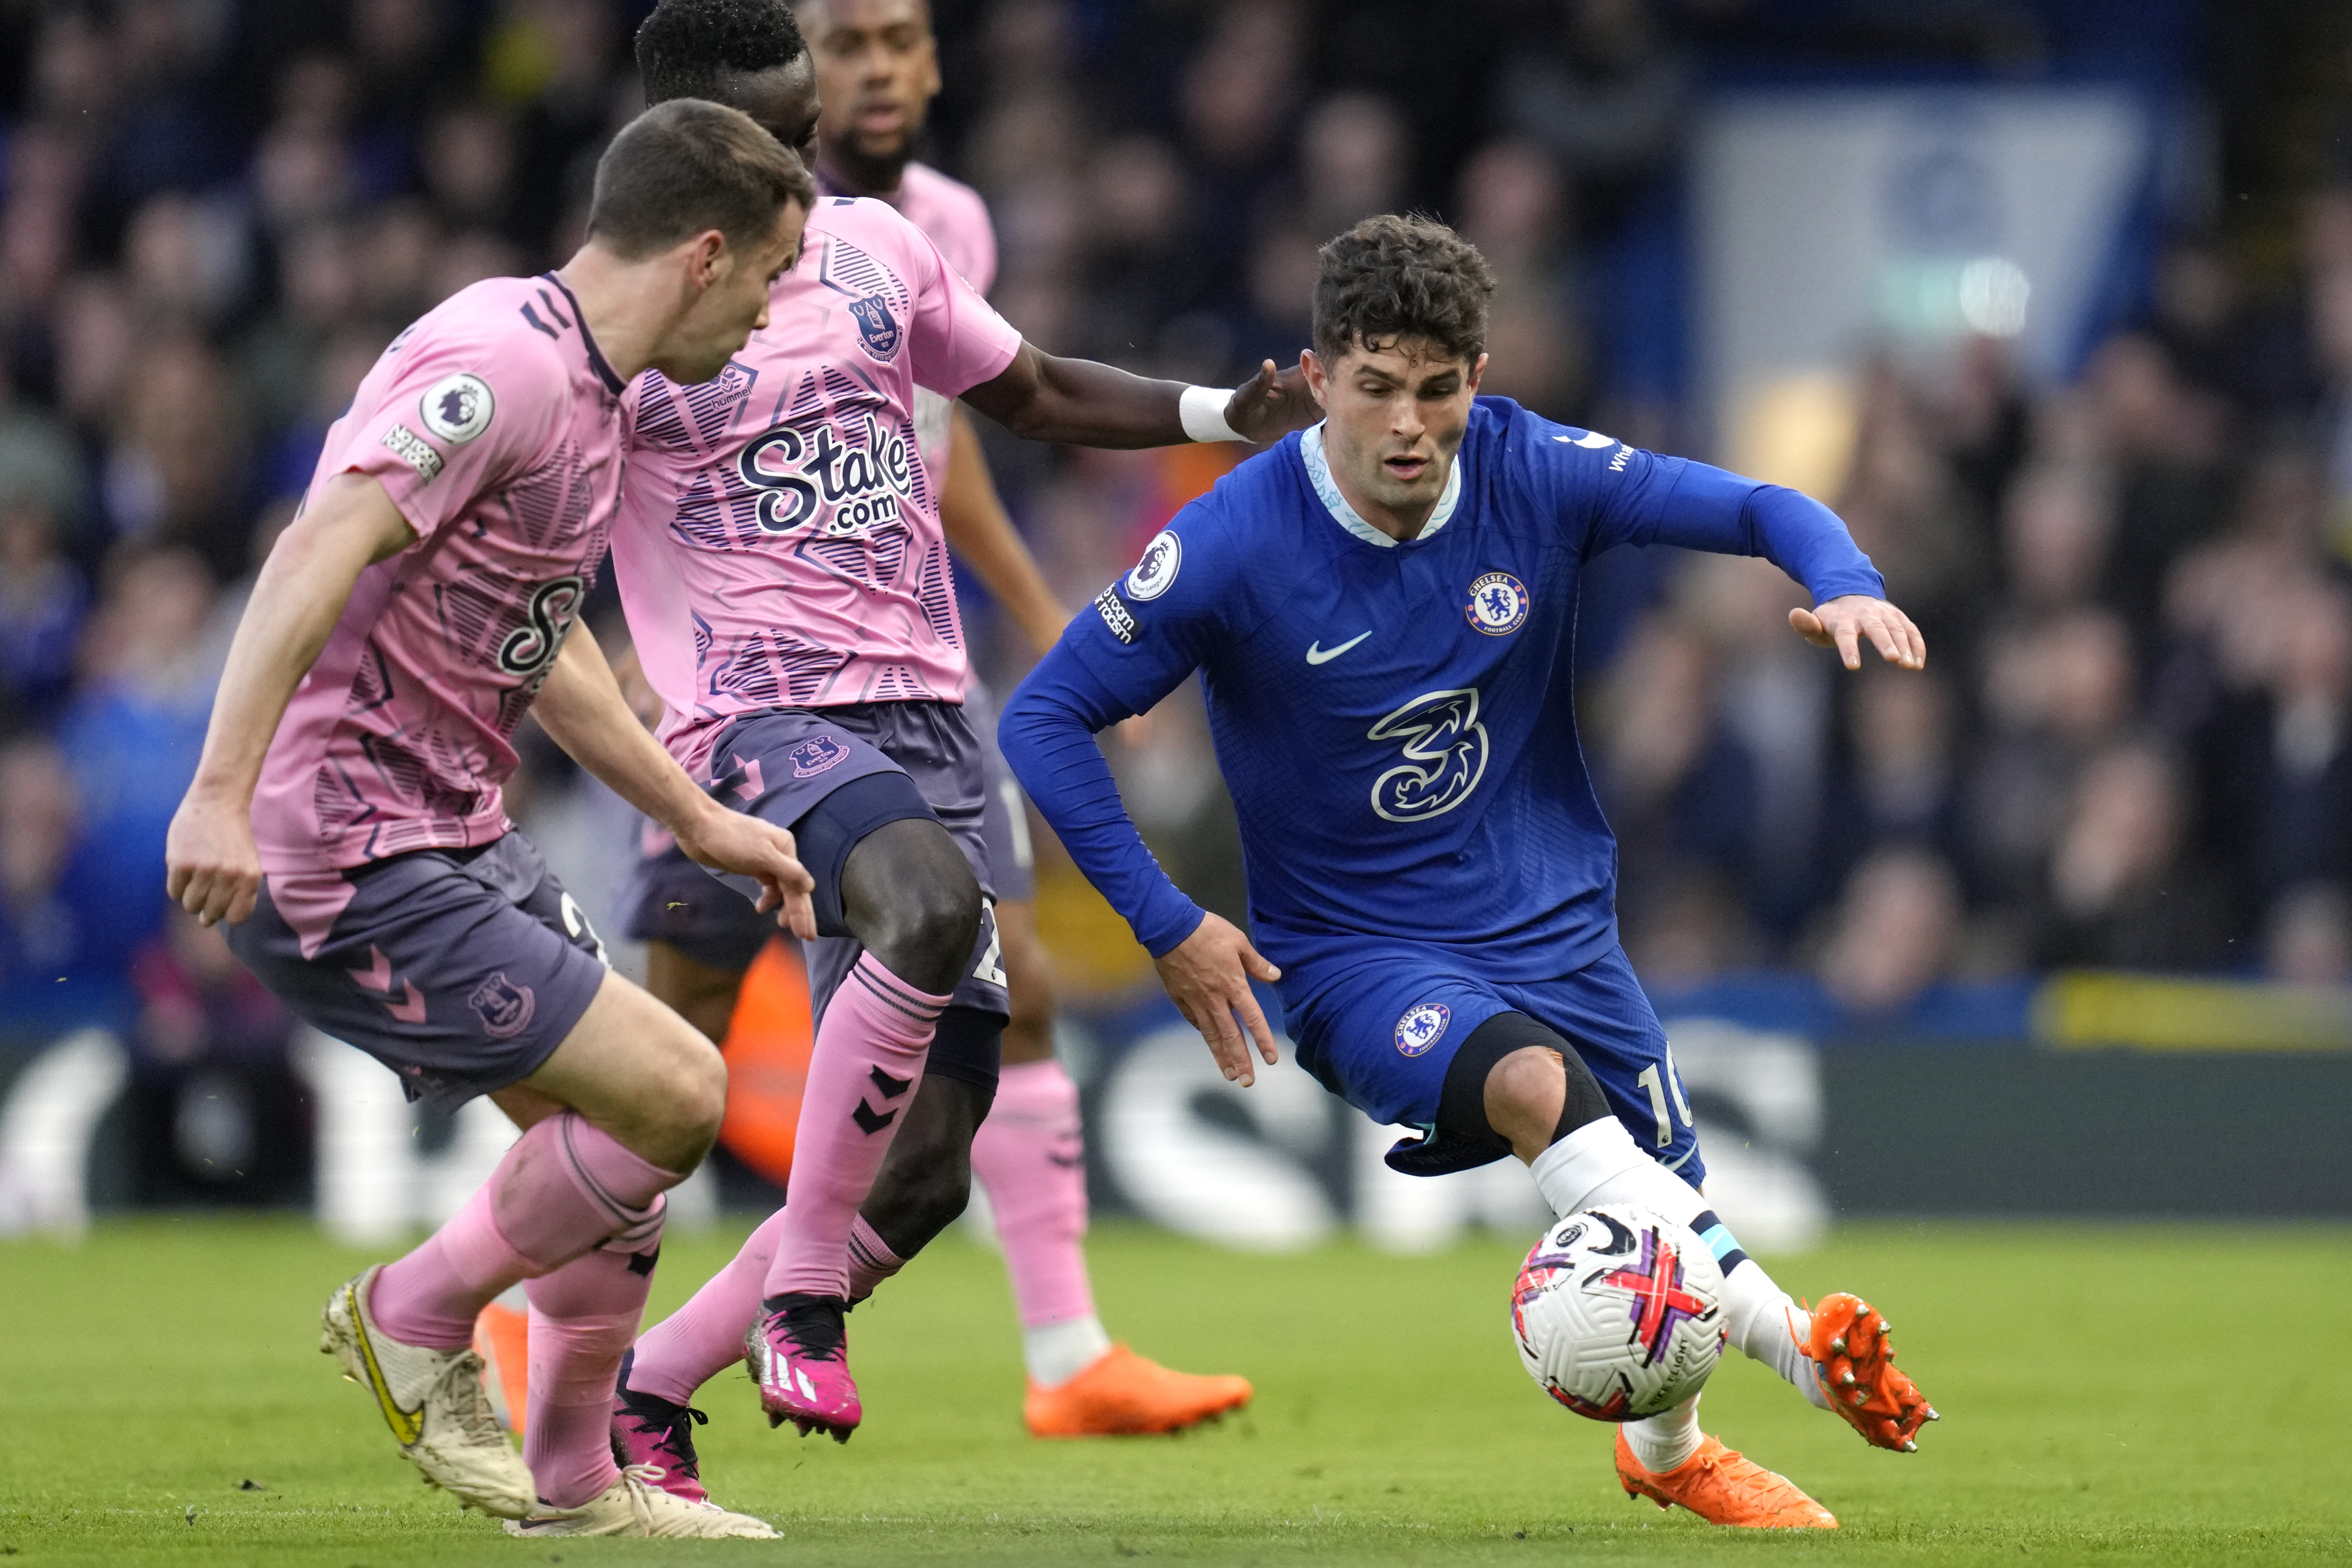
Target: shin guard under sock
x: 563, y: 1188
x: 583, y: 1317
x: 863, y: 1070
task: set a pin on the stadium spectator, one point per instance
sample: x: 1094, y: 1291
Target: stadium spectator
x: 1893, y: 934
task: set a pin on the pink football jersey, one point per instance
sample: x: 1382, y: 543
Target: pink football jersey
x: 779, y: 543
x: 496, y: 427
x: 955, y: 218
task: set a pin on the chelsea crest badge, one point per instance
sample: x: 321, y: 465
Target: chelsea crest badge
x: 1499, y: 604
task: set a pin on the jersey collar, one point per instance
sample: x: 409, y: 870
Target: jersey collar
x: 1318, y: 474
x: 613, y: 383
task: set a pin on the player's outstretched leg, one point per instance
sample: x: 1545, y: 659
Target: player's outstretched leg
x: 910, y: 897
x: 1537, y: 1094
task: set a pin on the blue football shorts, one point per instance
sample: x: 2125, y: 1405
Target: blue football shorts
x: 1380, y: 1027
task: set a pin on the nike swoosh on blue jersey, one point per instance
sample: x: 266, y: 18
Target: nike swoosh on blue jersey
x: 1318, y: 654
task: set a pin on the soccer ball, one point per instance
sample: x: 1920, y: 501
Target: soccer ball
x: 1618, y: 1314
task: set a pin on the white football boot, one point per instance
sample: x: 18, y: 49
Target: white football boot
x: 636, y: 1505
x: 434, y: 1402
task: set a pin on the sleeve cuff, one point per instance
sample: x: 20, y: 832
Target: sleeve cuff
x: 1163, y: 927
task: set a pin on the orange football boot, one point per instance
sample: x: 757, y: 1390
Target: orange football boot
x: 502, y: 1339
x: 1125, y: 1394
x: 1722, y: 1488
x: 1856, y: 1361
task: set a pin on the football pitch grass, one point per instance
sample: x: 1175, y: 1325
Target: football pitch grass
x: 2111, y: 1394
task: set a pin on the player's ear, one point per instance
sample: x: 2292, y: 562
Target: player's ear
x: 1477, y: 374
x: 707, y: 257
x: 1318, y: 377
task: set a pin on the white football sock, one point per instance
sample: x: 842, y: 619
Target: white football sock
x: 1056, y: 1352
x: 1765, y: 1325
x: 1600, y: 1163
x: 1667, y: 1441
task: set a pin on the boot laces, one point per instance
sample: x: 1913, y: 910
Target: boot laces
x: 811, y: 1325
x: 462, y: 1382
x: 671, y: 1427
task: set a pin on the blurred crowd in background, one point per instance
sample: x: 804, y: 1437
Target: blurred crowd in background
x: 2133, y: 746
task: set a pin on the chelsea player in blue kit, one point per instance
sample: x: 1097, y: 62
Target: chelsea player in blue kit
x: 1381, y: 609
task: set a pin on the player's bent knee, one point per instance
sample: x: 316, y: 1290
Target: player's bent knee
x: 1520, y: 1081
x: 683, y: 1099
x: 910, y: 896
x: 926, y: 933
x: 1524, y: 1094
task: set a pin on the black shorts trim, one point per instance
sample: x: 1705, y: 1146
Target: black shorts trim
x: 834, y: 826
x: 969, y: 1047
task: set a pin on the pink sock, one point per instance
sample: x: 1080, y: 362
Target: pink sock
x: 871, y: 1261
x: 1031, y: 1156
x: 705, y: 1337
x: 863, y: 1070
x: 583, y: 1317
x: 564, y: 1187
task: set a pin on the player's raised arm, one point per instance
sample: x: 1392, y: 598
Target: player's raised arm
x: 1641, y: 497
x: 1082, y: 404
x: 211, y: 868
x: 582, y: 707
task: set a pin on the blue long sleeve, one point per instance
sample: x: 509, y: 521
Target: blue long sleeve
x: 1048, y: 735
x: 1699, y: 507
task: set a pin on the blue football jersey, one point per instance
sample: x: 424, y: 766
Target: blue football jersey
x: 1395, y: 720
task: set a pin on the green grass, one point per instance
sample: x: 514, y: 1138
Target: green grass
x: 2111, y: 1396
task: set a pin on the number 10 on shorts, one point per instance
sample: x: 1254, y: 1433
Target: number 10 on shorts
x: 1650, y: 1080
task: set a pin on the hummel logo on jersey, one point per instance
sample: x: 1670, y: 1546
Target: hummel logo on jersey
x: 1318, y: 654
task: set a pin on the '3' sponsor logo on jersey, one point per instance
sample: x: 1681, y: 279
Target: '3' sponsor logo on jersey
x: 530, y: 648
x: 1444, y: 749
x: 799, y: 473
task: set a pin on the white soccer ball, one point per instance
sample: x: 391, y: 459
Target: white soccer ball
x: 1618, y: 1314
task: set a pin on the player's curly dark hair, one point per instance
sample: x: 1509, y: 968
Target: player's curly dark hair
x: 686, y: 46
x: 1402, y: 275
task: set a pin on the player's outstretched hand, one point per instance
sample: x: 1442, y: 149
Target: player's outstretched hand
x: 1272, y: 403
x: 751, y: 848
x: 1208, y: 976
x: 210, y: 867
x: 1843, y: 623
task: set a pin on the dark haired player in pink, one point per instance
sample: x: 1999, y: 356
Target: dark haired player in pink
x: 781, y: 558
x: 877, y: 71
x: 874, y: 61
x: 346, y: 815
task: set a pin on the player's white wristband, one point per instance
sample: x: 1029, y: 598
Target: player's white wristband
x: 1202, y: 409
